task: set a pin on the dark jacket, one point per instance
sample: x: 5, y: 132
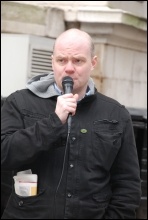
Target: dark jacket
x: 100, y: 176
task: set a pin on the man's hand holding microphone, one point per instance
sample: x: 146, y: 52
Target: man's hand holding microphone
x: 67, y: 103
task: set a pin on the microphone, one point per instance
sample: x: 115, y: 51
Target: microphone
x: 67, y: 83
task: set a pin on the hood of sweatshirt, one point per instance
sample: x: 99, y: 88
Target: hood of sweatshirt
x: 44, y: 85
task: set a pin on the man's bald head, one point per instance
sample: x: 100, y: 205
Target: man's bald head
x: 75, y: 35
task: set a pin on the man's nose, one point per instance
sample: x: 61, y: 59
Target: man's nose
x: 69, y: 68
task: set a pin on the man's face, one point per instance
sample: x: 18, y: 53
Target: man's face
x: 73, y: 59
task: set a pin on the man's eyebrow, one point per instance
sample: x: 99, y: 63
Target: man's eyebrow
x: 79, y: 57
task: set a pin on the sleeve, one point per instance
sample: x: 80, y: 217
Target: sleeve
x: 20, y: 145
x: 125, y: 179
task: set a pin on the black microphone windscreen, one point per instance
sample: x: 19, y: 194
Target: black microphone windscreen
x: 67, y: 83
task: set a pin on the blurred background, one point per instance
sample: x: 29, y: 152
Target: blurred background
x: 119, y: 31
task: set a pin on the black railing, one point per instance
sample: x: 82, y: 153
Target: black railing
x: 139, y: 118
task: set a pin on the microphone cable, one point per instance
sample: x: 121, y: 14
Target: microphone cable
x: 65, y: 152
x: 67, y: 83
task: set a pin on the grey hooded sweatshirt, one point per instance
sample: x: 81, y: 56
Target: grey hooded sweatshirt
x: 44, y: 86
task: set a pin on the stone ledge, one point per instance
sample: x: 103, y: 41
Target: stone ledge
x: 105, y: 15
x: 137, y: 8
x: 31, y: 19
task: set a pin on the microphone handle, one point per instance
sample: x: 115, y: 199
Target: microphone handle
x: 68, y: 89
x: 69, y: 122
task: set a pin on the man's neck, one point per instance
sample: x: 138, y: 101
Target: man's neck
x: 82, y: 94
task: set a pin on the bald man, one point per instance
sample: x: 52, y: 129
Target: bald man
x: 87, y: 167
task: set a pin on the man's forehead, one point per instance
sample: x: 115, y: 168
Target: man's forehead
x: 72, y: 47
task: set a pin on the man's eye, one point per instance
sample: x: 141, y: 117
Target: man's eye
x: 78, y: 61
x: 60, y: 60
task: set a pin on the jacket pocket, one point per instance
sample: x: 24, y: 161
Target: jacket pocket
x: 106, y: 141
x: 31, y: 119
x: 103, y: 199
x: 95, y: 207
x: 32, y: 207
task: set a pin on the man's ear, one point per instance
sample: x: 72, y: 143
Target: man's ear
x: 94, y: 62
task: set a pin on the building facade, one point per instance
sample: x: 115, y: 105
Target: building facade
x: 29, y: 29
